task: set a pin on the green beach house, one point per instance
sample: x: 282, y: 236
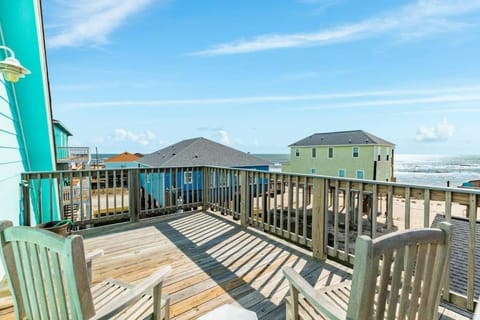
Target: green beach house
x: 351, y: 154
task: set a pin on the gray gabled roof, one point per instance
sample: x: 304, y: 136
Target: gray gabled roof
x: 354, y: 137
x: 200, y: 152
x: 459, y: 254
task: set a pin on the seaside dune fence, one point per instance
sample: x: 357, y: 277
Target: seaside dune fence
x: 322, y: 214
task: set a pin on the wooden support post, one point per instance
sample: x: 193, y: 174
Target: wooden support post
x: 134, y: 194
x: 205, y: 188
x: 472, y: 218
x: 26, y: 201
x: 243, y: 198
x: 319, y: 213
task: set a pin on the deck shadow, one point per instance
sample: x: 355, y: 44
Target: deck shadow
x: 244, y: 264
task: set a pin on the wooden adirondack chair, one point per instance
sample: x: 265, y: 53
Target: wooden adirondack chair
x: 396, y: 276
x: 48, y: 279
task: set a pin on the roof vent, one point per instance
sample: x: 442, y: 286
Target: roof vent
x: 174, y: 154
x: 350, y: 141
x: 366, y: 141
x: 195, y: 156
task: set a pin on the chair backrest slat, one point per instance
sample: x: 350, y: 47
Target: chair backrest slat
x: 400, y: 275
x: 47, y: 273
x: 56, y: 274
x: 417, y: 280
x: 384, y: 280
x: 410, y: 255
x: 38, y: 283
x: 44, y: 262
x: 19, y: 272
x: 397, y: 285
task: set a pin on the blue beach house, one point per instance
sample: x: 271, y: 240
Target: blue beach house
x: 26, y: 130
x: 191, y: 153
x: 123, y: 160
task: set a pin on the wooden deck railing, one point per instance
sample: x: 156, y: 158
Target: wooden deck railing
x: 323, y: 214
x: 68, y: 154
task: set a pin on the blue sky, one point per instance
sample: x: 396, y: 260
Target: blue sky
x: 259, y: 75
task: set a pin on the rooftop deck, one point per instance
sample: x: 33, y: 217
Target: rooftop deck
x: 214, y: 260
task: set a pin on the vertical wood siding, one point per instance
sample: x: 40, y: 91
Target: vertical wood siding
x: 11, y: 165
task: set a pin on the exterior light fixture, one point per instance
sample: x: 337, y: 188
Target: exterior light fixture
x: 11, y: 68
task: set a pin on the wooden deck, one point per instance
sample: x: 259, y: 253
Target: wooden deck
x: 214, y: 260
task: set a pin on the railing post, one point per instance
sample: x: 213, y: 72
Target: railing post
x: 26, y: 201
x: 205, y: 188
x: 133, y: 194
x: 318, y: 219
x: 243, y: 198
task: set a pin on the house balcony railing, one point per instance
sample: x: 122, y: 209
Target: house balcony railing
x: 322, y: 214
x: 73, y: 154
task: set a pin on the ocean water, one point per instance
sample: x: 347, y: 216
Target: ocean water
x: 436, y: 170
x: 428, y: 170
x: 276, y: 158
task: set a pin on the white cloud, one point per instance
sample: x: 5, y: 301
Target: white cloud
x: 414, y: 96
x: 299, y: 76
x: 144, y: 139
x: 88, y: 22
x: 441, y: 132
x: 430, y: 16
x: 224, y: 138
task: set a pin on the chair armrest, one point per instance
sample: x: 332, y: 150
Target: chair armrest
x: 89, y: 256
x: 129, y: 296
x: 322, y: 305
x: 88, y: 259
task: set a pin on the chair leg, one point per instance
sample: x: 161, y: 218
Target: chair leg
x: 166, y: 307
x: 289, y: 315
x: 157, y: 302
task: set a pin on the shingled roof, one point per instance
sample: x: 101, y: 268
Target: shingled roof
x: 201, y: 152
x: 354, y: 137
x: 459, y: 255
x: 124, y: 157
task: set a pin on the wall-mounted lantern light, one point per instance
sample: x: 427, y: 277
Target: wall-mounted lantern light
x: 11, y: 68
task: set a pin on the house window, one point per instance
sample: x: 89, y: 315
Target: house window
x: 223, y: 179
x: 297, y: 153
x: 341, y: 172
x: 359, y: 174
x: 313, y: 171
x: 330, y: 152
x: 188, y: 177
x: 314, y: 152
x: 355, y: 152
x: 211, y: 179
x: 388, y: 157
x: 380, y: 158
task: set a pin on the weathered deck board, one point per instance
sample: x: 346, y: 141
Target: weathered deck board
x: 214, y: 260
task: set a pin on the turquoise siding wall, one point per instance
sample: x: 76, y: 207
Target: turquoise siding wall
x: 61, y: 141
x: 11, y: 158
x: 22, y: 31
